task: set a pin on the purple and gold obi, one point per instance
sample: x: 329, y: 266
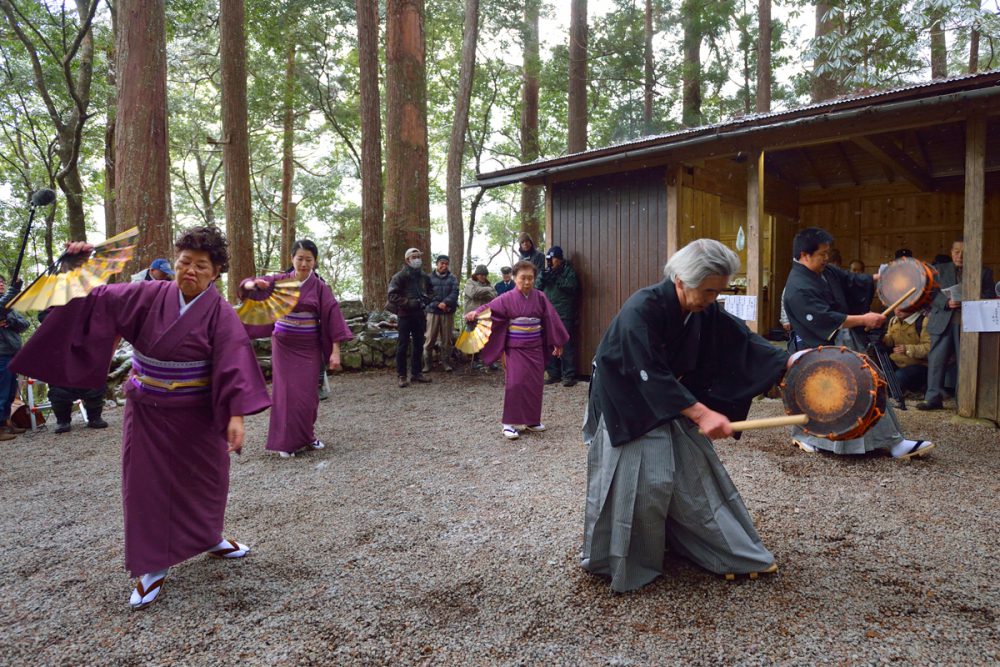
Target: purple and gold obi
x: 298, y: 323
x: 171, y: 378
x: 525, y: 331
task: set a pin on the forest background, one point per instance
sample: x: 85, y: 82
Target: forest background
x: 361, y: 120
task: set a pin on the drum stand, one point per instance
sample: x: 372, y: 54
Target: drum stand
x: 884, y: 363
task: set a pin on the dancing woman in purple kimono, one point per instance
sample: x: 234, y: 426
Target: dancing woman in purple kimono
x: 194, y: 377
x: 525, y: 328
x: 303, y: 341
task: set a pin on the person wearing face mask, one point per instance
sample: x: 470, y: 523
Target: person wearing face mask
x: 304, y: 341
x: 194, y: 377
x: 410, y: 292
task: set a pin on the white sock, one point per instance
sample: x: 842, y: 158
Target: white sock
x: 150, y: 578
x: 224, y: 544
x: 905, y: 446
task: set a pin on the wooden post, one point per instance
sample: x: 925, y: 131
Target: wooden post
x: 548, y: 215
x: 673, y: 210
x: 972, y: 262
x: 755, y: 218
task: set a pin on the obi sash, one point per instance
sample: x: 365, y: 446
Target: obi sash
x: 300, y: 323
x: 171, y: 378
x: 525, y: 329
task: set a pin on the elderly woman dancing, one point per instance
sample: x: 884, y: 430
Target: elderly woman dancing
x: 194, y: 377
x: 304, y: 340
x: 525, y: 328
x: 670, y: 373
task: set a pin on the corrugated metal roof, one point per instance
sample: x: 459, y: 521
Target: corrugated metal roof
x: 762, y: 120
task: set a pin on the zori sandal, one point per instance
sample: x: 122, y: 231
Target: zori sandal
x: 731, y: 576
x: 147, y: 588
x: 229, y: 549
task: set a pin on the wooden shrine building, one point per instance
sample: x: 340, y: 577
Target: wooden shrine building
x: 914, y: 167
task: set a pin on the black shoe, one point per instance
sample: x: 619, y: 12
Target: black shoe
x: 421, y: 378
x: 63, y: 428
x: 552, y: 380
x: 930, y: 405
x: 403, y: 381
x: 97, y: 423
x: 569, y: 382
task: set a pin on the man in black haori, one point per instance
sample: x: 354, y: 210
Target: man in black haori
x: 670, y: 373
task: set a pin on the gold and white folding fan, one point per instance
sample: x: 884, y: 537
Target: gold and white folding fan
x: 280, y: 301
x: 477, y: 333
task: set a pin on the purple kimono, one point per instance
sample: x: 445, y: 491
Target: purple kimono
x: 190, y: 374
x: 525, y: 328
x: 302, y: 344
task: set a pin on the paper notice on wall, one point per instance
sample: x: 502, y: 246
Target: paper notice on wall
x: 743, y: 307
x: 979, y: 316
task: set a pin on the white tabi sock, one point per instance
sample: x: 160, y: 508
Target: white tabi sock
x: 905, y: 447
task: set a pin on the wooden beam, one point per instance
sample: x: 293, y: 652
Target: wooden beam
x: 847, y: 163
x: 548, y: 215
x: 972, y: 261
x: 673, y: 183
x: 925, y: 157
x: 888, y: 154
x: 755, y: 221
x: 804, y: 153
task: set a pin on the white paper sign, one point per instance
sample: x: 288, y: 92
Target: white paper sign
x: 954, y: 292
x: 743, y: 307
x: 979, y: 316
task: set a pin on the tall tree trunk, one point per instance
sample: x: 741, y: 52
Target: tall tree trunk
x: 824, y: 84
x: 974, y: 51
x: 236, y: 142
x: 650, y: 73
x: 374, y: 277
x: 691, y: 69
x: 287, y: 158
x: 939, y: 47
x: 764, y: 56
x: 460, y: 125
x: 577, y: 106
x: 141, y: 148
x: 407, y: 197
x: 530, y: 194
x: 110, y: 222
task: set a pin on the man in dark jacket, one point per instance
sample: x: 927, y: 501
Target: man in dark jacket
x: 12, y: 325
x: 441, y: 313
x: 528, y: 251
x: 409, y: 293
x: 561, y: 286
x: 507, y: 284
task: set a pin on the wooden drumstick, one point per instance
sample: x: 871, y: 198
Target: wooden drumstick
x: 769, y: 422
x: 888, y: 311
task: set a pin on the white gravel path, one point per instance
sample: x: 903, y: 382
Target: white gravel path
x: 421, y: 536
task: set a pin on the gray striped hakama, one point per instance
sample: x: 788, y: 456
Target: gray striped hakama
x: 666, y: 487
x: 883, y: 435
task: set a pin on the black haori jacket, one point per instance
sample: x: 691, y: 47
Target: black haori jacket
x: 818, y: 304
x: 650, y: 365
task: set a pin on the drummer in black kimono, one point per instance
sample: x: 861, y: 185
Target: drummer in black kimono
x: 671, y: 371
x: 829, y: 306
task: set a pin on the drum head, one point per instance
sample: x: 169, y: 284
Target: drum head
x: 897, y: 279
x: 838, y: 389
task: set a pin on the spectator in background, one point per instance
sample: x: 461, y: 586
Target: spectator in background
x: 903, y: 252
x: 856, y: 266
x: 837, y: 259
x: 409, y: 293
x: 62, y: 399
x: 441, y: 313
x: 478, y: 293
x: 945, y: 324
x: 507, y: 284
x: 527, y: 251
x: 12, y: 325
x: 561, y: 286
x: 910, y: 343
x: 160, y: 269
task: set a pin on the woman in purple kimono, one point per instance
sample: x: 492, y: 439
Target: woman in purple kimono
x: 194, y: 376
x: 525, y: 328
x: 304, y: 340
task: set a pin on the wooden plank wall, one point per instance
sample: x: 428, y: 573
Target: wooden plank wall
x: 988, y: 389
x: 613, y: 231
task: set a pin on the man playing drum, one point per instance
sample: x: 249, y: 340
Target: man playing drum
x: 829, y: 306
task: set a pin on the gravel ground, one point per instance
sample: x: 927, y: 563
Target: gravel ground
x: 421, y: 536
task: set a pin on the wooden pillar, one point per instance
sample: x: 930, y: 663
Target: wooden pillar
x: 673, y: 210
x: 548, y: 215
x: 755, y: 221
x: 972, y: 262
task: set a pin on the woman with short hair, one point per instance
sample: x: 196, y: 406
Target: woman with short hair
x: 303, y: 342
x: 194, y: 377
x: 526, y: 329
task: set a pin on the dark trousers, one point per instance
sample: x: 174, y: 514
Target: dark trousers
x: 943, y: 347
x: 565, y: 366
x: 8, y: 388
x: 62, y: 399
x: 411, y: 330
x: 912, y: 378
